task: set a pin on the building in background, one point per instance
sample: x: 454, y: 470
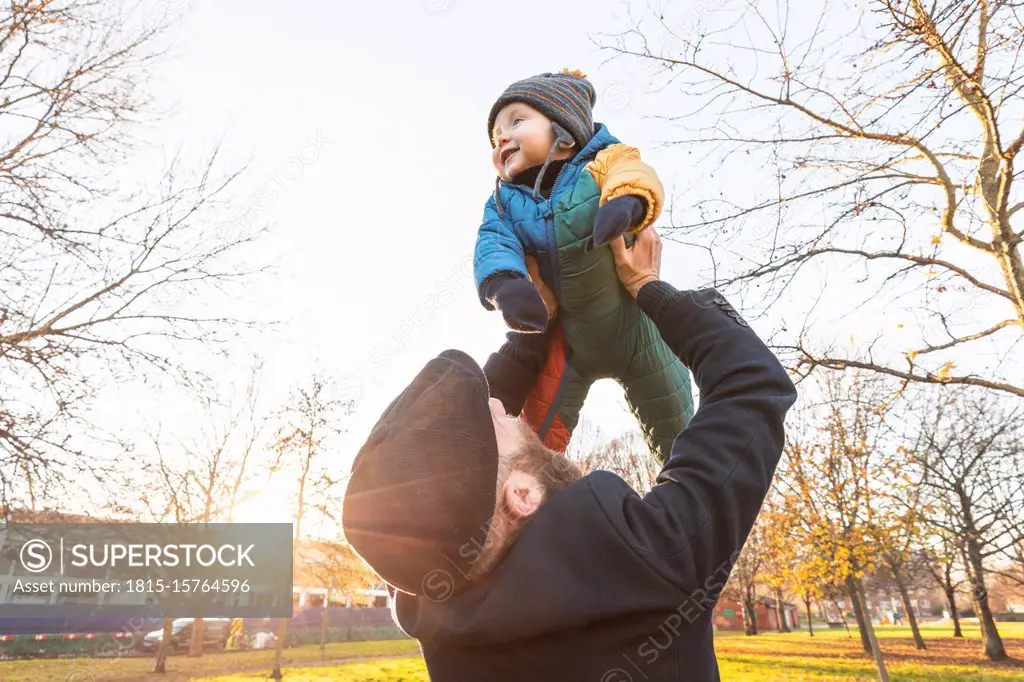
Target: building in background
x: 728, y: 615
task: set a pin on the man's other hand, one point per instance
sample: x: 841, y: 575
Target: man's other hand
x: 639, y: 264
x: 550, y: 300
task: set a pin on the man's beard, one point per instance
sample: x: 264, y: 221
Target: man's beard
x: 552, y: 469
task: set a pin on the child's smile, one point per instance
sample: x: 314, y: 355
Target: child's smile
x: 508, y: 153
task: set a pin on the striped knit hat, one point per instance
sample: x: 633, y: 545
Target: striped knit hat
x: 566, y: 97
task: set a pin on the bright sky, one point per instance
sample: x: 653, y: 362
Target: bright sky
x: 364, y: 126
x: 385, y: 106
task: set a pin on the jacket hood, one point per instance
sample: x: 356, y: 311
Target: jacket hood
x: 601, y: 139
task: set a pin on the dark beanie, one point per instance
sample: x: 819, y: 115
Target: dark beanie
x: 566, y: 97
x: 423, y: 487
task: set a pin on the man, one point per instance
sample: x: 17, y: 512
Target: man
x: 510, y: 565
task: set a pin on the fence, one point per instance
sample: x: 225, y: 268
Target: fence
x: 49, y: 638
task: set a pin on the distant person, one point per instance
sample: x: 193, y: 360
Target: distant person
x: 264, y: 640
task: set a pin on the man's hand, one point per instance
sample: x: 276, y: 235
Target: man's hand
x: 550, y: 300
x: 639, y: 264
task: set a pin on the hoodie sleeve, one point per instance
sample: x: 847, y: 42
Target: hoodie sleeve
x: 697, y: 516
x: 498, y: 250
x: 618, y: 171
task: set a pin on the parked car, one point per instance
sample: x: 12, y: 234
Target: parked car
x: 215, y: 634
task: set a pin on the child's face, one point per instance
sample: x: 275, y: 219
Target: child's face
x: 522, y: 139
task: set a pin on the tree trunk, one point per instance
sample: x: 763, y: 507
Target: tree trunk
x: 164, y: 647
x: 883, y: 675
x: 911, y: 618
x: 282, y: 635
x: 862, y: 616
x: 842, y: 617
x: 749, y: 613
x: 195, y: 646
x: 807, y: 605
x: 780, y: 612
x: 323, y: 626
x: 990, y: 638
x: 951, y: 602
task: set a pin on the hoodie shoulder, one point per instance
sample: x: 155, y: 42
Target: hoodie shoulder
x: 632, y: 520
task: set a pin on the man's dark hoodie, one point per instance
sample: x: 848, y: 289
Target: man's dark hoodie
x: 605, y: 585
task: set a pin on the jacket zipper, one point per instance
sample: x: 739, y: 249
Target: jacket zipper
x: 556, y: 402
x: 552, y: 246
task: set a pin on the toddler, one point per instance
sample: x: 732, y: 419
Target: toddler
x: 566, y: 187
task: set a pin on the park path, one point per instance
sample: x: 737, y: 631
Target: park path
x: 262, y: 669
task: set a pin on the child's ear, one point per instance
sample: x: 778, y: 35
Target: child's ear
x: 564, y: 144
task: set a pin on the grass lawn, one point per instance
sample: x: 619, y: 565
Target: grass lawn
x: 829, y: 655
x: 832, y: 655
x: 181, y: 668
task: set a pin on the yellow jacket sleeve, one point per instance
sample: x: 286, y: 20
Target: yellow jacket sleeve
x: 618, y: 170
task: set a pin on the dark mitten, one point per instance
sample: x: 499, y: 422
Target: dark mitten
x: 512, y: 371
x: 519, y: 302
x: 615, y: 218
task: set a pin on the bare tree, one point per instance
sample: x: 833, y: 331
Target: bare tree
x: 313, y: 417
x: 940, y: 562
x: 1011, y: 563
x: 897, y: 563
x: 897, y: 528
x: 96, y: 273
x: 199, y: 477
x: 216, y: 471
x: 163, y: 498
x: 1014, y: 571
x: 629, y: 457
x: 888, y: 131
x: 196, y: 479
x: 1007, y: 587
x: 970, y: 456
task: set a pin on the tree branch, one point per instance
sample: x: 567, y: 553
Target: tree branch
x: 900, y: 139
x: 971, y: 337
x: 868, y: 255
x: 930, y: 378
